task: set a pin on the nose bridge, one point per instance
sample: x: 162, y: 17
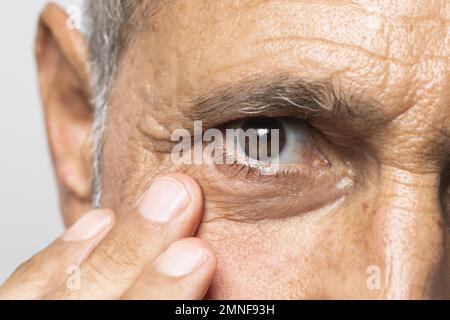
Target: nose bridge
x: 408, y: 227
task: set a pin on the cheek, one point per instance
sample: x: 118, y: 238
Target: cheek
x: 261, y: 261
x: 322, y: 255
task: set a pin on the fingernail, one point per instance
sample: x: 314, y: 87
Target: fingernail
x: 164, y: 200
x: 180, y: 259
x: 88, y: 226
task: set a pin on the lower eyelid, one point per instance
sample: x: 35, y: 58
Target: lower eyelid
x: 260, y: 175
x: 247, y: 195
x: 267, y: 173
x: 268, y: 197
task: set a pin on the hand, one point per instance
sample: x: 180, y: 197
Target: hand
x: 144, y: 254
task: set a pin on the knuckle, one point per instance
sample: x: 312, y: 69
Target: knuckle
x: 26, y: 267
x: 38, y: 267
x: 39, y: 273
x: 114, y: 264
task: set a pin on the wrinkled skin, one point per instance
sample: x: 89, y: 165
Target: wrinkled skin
x: 294, y: 236
x: 393, y: 215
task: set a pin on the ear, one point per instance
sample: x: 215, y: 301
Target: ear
x: 61, y: 55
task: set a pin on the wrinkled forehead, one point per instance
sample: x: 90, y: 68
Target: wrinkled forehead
x: 394, y: 51
x: 391, y: 47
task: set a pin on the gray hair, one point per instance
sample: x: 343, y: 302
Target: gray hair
x: 107, y: 27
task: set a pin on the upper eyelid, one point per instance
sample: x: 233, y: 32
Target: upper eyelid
x: 345, y: 146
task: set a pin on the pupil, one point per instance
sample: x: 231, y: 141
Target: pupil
x: 262, y: 127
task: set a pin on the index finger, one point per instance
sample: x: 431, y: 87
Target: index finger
x: 170, y: 210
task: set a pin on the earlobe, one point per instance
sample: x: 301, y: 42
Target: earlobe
x: 61, y: 57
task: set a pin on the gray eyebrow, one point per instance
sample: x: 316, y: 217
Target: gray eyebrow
x: 291, y: 96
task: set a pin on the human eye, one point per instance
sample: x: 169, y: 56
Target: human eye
x: 302, y: 173
x: 278, y: 146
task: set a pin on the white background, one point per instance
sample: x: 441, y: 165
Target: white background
x: 29, y: 216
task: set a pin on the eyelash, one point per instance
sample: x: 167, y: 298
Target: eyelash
x: 250, y: 170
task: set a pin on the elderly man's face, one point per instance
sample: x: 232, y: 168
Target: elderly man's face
x: 310, y: 231
x: 361, y: 90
